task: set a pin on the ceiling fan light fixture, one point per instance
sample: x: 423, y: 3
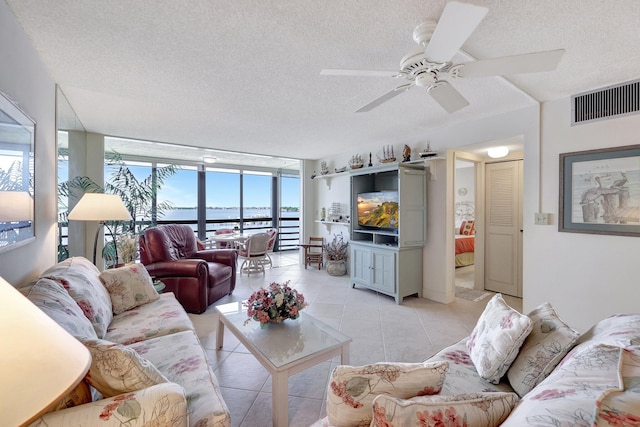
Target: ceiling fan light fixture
x: 498, y: 152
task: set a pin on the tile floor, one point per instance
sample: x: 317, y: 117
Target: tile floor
x: 381, y: 331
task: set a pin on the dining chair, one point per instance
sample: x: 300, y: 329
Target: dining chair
x: 253, y: 253
x: 273, y: 233
x: 314, y: 252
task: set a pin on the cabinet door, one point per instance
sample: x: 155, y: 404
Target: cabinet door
x: 383, y: 270
x: 360, y: 264
x: 413, y: 207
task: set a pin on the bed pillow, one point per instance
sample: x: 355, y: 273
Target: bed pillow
x: 549, y: 341
x: 475, y: 409
x: 129, y: 286
x: 496, y: 339
x: 352, y: 388
x: 468, y: 228
x: 117, y: 369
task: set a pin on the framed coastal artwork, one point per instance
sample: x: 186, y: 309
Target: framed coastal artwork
x: 600, y: 191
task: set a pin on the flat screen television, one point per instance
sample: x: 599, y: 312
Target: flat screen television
x: 378, y: 209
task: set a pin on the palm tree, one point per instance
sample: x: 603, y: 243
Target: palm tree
x: 139, y: 196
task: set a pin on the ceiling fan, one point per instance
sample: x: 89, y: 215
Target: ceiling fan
x: 430, y: 67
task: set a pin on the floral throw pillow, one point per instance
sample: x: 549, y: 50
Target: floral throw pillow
x: 352, y: 388
x: 80, y: 278
x: 117, y: 369
x: 549, y: 341
x: 575, y: 391
x: 496, y: 339
x: 476, y: 409
x: 50, y: 297
x: 129, y: 287
x: 468, y: 228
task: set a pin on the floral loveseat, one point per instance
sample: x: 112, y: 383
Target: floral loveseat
x: 513, y: 370
x: 148, y: 367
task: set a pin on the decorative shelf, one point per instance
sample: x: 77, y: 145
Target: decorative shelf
x: 327, y: 177
x: 328, y: 223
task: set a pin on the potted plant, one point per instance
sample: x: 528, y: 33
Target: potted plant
x: 336, y: 253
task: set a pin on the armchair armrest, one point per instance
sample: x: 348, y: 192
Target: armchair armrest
x: 222, y: 256
x: 178, y: 268
x: 162, y: 404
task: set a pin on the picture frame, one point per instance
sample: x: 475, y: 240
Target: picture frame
x: 600, y: 191
x: 17, y: 176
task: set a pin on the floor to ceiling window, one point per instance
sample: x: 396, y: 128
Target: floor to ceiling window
x: 253, y: 195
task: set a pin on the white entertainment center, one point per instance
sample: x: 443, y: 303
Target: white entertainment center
x: 389, y: 260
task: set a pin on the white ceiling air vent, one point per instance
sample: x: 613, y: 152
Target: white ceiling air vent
x: 612, y: 101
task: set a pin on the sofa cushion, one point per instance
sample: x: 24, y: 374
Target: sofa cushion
x: 128, y: 287
x: 117, y: 369
x: 462, y: 376
x: 621, y: 330
x: 496, y: 339
x: 163, y: 316
x: 55, y: 302
x: 572, y: 392
x: 161, y: 405
x: 352, y: 388
x: 549, y: 341
x: 475, y: 409
x: 186, y: 364
x: 622, y: 408
x: 80, y: 278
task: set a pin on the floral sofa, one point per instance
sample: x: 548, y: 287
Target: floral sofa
x: 513, y: 370
x: 148, y: 367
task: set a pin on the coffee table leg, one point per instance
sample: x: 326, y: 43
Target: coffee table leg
x: 219, y: 334
x: 280, y: 399
x: 344, y: 357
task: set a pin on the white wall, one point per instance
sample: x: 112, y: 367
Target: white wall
x: 584, y: 276
x: 24, y: 78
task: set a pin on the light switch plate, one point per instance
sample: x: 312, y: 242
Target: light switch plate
x: 542, y: 218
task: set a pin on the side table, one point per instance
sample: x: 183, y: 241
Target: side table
x: 159, y: 286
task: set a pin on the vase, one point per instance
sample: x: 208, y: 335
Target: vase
x: 337, y: 267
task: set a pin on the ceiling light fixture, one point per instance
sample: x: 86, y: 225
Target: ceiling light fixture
x: 209, y: 159
x: 497, y: 152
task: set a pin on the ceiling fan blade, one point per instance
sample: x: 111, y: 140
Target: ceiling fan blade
x: 359, y: 73
x: 506, y: 65
x: 384, y: 98
x: 447, y: 96
x: 456, y: 24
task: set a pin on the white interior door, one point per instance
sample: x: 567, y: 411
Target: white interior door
x: 503, y: 216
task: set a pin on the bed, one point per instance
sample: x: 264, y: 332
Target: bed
x: 465, y: 243
x: 465, y: 246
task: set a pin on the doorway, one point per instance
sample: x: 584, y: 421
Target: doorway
x: 473, y: 272
x: 464, y: 223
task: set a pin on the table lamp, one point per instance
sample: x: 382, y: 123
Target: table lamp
x: 100, y: 207
x: 40, y: 362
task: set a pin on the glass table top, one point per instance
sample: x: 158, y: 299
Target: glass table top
x: 285, y: 342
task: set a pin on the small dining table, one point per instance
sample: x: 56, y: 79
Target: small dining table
x: 233, y: 240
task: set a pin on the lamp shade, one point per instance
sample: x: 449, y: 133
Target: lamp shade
x: 39, y: 360
x: 16, y: 206
x: 100, y: 207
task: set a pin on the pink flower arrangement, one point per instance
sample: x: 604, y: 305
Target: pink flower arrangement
x: 275, y: 304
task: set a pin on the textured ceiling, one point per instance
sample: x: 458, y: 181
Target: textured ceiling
x: 245, y: 75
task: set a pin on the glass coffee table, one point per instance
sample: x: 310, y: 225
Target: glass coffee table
x: 283, y: 349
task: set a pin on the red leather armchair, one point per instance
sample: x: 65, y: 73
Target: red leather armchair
x: 198, y: 278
